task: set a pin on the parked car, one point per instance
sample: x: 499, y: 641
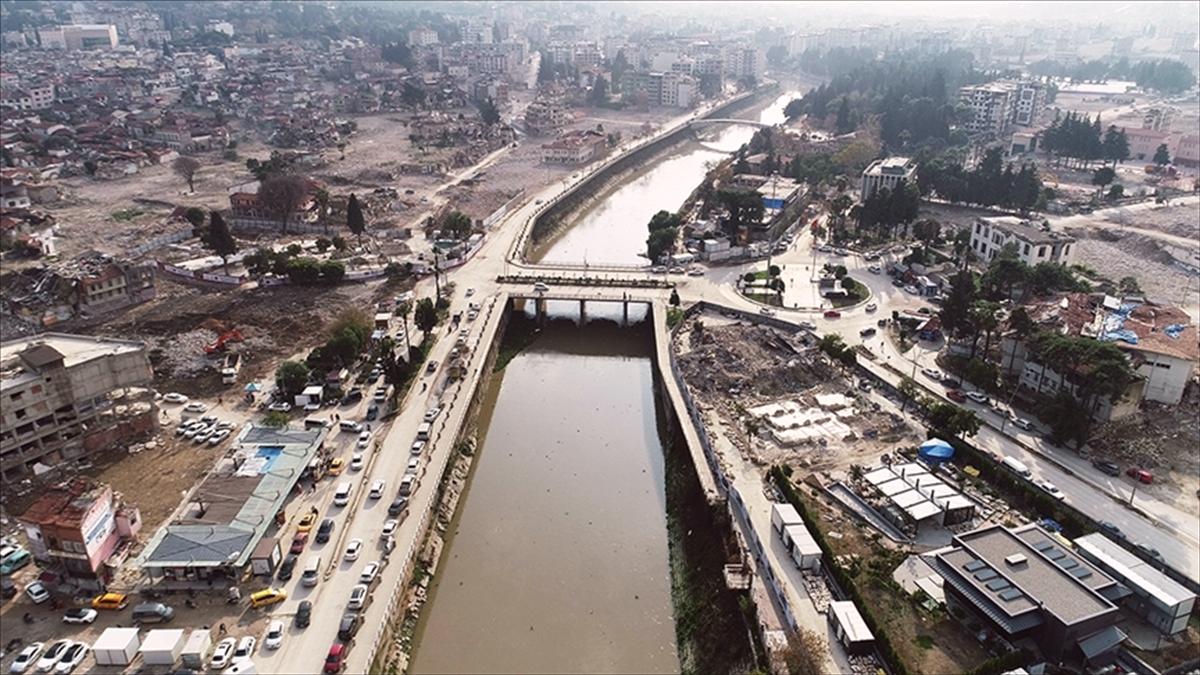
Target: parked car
x: 13, y: 560
x: 832, y: 314
x: 80, y: 615
x: 37, y: 592
x: 1051, y: 489
x: 303, y: 614
x: 71, y: 658
x: 956, y: 395
x: 358, y: 597
x: 223, y: 653
x: 282, y: 406
x: 175, y: 397
x: 274, y: 637
x: 898, y: 283
x: 287, y: 567
x: 324, y: 530
x: 977, y: 397
x: 1021, y: 422
x: 28, y: 656
x: 871, y: 307
x: 1140, y: 475
x: 368, y: 574
x: 195, y: 407
x: 348, y: 626
x: 336, y: 659
x: 152, y: 612
x: 353, y: 396
x: 766, y: 311
x: 52, y: 655
x: 874, y: 269
x: 867, y: 332
x: 432, y: 413
x: 389, y: 528
x: 933, y: 374
x: 912, y: 290
x: 1110, y: 529
x: 245, y: 649
x: 298, y: 542
x: 1107, y: 467
x: 353, y: 549
x: 1150, y: 552
x: 397, y: 506
x: 218, y: 436
x: 267, y: 597
x: 372, y: 412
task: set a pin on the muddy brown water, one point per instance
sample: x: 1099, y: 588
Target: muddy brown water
x: 559, y: 560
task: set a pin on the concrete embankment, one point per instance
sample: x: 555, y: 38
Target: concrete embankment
x: 559, y: 212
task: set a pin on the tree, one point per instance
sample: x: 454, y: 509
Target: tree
x: 664, y: 227
x: 599, y: 94
x: 425, y: 315
x: 276, y: 419
x: 1022, y: 326
x: 456, y: 225
x: 953, y: 420
x: 291, y: 377
x: 186, y: 168
x: 1129, y: 286
x: 955, y: 311
x: 219, y: 240
x: 1116, y: 192
x: 1103, y: 176
x: 354, y: 218
x: 332, y: 271
x: 908, y: 390
x: 403, y: 311
x: 802, y: 656
x: 282, y: 196
x: 1162, y: 156
x: 488, y: 112
x: 303, y: 271
x: 1116, y: 145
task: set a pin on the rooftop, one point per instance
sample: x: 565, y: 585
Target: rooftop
x: 1133, y: 571
x: 1022, y: 230
x: 65, y: 504
x: 18, y: 357
x: 891, y: 165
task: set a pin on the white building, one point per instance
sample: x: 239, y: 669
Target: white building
x: 422, y: 37
x: 80, y: 36
x: 35, y: 97
x: 887, y: 173
x: 996, y: 105
x: 1163, y: 603
x: 1033, y: 245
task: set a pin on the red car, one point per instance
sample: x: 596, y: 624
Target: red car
x: 956, y: 395
x: 298, y: 542
x: 1140, y: 475
x: 336, y: 660
x: 832, y: 314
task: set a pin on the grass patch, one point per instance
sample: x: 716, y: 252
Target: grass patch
x: 674, y: 316
x: 126, y: 215
x: 924, y: 641
x: 855, y: 293
x: 770, y: 298
x: 519, y: 335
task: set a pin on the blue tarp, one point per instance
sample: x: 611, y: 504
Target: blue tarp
x: 935, y: 449
x: 1174, y: 330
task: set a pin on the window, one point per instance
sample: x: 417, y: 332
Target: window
x: 1041, y: 251
x: 17, y: 396
x: 1026, y: 249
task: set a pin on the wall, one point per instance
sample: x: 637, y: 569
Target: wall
x: 124, y: 431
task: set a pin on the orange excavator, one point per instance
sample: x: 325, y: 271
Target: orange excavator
x: 219, y: 346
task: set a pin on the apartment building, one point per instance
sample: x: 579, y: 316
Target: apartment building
x: 1159, y: 118
x: 996, y: 105
x: 745, y: 62
x: 422, y: 37
x: 545, y: 115
x: 669, y: 89
x: 76, y: 527
x: 574, y: 148
x: 886, y: 173
x: 55, y: 392
x: 1033, y: 245
x: 79, y: 36
x: 32, y: 97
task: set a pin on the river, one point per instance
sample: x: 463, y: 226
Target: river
x: 614, y: 230
x: 559, y: 559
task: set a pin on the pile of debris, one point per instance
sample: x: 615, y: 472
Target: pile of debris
x: 752, y: 362
x: 1156, y: 436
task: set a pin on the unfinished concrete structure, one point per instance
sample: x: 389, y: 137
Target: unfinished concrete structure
x: 55, y: 402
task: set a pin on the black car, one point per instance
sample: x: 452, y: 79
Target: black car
x: 1111, y: 529
x: 1109, y: 468
x: 354, y: 396
x: 303, y: 614
x: 348, y: 627
x: 867, y: 332
x: 372, y: 412
x: 898, y: 283
x: 324, y: 530
x: 286, y: 568
x: 1150, y: 552
x: 397, y: 506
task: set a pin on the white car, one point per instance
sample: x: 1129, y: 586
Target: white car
x: 417, y: 448
x: 27, y: 657
x: 37, y: 592
x: 1022, y: 422
x: 377, y: 489
x: 195, y: 407
x: 185, y: 427
x: 353, y: 549
x: 358, y: 597
x: 1051, y: 489
x: 364, y: 440
x: 368, y: 574
x: 175, y: 397
x: 875, y: 269
x: 312, y: 406
x: 218, y: 436
x: 912, y: 290
x: 71, y: 658
x: 932, y: 373
x: 274, y: 638
x: 871, y: 307
x: 414, y: 464
x: 977, y: 397
x: 695, y: 272
x: 432, y: 413
x: 245, y: 649
x: 389, y: 528
x: 766, y: 311
x: 79, y: 615
x: 52, y: 656
x: 282, y: 406
x: 357, y: 461
x: 222, y: 653
x: 205, y: 434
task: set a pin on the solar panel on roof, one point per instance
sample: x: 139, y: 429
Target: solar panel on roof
x: 974, y: 566
x: 1043, y: 545
x: 997, y: 584
x: 984, y: 575
x: 1068, y: 563
x: 1081, y: 572
x: 1055, y: 554
x: 1010, y: 594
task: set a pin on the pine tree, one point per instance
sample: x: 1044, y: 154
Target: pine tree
x: 219, y: 239
x: 354, y: 218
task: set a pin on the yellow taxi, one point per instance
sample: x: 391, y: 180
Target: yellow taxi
x: 267, y: 596
x: 337, y: 466
x: 110, y: 601
x: 306, y: 522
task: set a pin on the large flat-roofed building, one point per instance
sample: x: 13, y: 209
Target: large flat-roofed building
x: 1163, y: 603
x: 1033, y: 244
x: 1030, y: 589
x: 80, y: 36
x: 224, y: 519
x: 887, y: 173
x: 54, y: 393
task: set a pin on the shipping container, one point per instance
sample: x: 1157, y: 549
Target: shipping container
x: 116, y: 647
x: 783, y: 515
x: 162, y: 647
x: 196, y: 649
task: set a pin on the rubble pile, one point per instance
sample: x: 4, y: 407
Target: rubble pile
x: 753, y: 362
x: 1154, y: 437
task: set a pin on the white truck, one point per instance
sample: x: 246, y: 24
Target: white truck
x: 231, y: 367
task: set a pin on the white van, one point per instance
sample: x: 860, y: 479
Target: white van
x: 312, y: 571
x: 1016, y: 467
x: 423, y: 431
x: 350, y: 425
x: 342, y: 496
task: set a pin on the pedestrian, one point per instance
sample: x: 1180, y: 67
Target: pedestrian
x: 221, y: 629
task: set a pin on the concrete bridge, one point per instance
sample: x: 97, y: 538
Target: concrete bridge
x: 707, y: 121
x: 623, y: 295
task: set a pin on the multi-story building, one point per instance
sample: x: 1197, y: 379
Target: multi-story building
x: 80, y: 36
x: 574, y: 148
x: 1153, y: 595
x: 1026, y: 586
x: 1033, y: 245
x: 422, y: 37
x: 886, y: 173
x: 745, y: 62
x: 669, y: 89
x: 1159, y: 118
x: 55, y: 392
x: 1143, y: 143
x: 76, y: 527
x: 1187, y: 150
x: 545, y: 115
x: 992, y: 107
x: 31, y: 97
x: 1029, y: 103
x: 476, y: 29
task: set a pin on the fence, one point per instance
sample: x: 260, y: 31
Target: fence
x: 410, y: 553
x: 184, y: 274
